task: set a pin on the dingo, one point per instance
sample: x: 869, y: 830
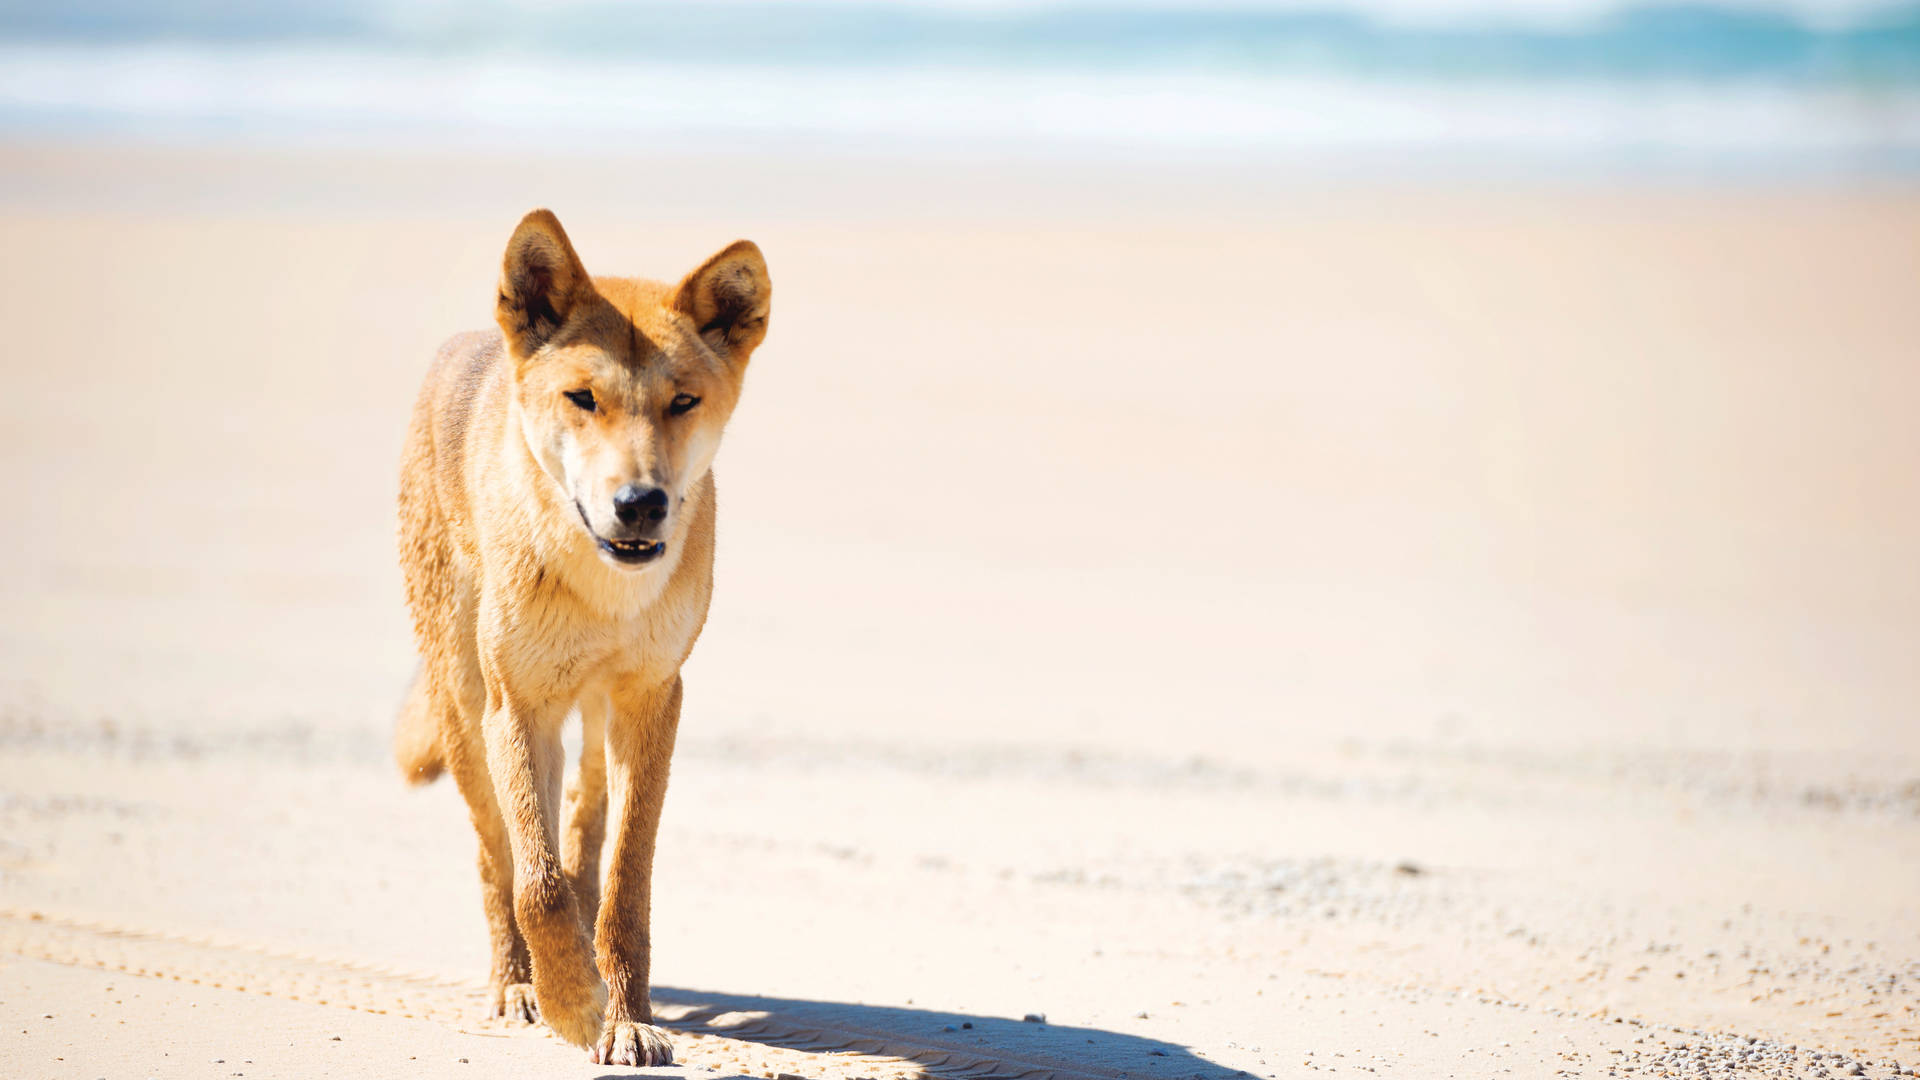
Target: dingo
x: 556, y: 530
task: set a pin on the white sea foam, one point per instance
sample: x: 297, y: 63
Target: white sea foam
x: 374, y: 95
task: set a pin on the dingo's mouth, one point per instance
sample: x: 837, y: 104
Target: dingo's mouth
x: 626, y: 552
x: 633, y: 552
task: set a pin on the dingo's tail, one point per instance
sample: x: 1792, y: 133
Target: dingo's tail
x: 416, y: 738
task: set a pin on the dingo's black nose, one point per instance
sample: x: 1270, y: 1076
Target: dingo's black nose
x: 635, y: 504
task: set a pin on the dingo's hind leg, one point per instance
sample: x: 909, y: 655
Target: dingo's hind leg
x: 510, y: 975
x: 510, y: 978
x: 526, y: 760
x: 585, y: 830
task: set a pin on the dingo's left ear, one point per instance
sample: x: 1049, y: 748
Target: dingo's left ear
x: 728, y: 298
x: 541, y: 280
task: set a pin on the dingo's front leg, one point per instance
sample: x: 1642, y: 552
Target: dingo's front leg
x: 524, y: 755
x: 639, y: 747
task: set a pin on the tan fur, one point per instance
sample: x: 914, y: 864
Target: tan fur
x: 522, y: 616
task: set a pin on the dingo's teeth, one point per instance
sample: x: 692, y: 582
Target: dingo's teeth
x: 633, y: 551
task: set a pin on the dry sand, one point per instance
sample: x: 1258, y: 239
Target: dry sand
x: 1262, y: 628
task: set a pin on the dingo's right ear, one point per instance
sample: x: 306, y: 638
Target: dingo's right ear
x: 727, y: 298
x: 541, y: 279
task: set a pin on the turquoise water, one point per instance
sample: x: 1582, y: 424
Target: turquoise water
x: 1703, y: 42
x: 1728, y: 87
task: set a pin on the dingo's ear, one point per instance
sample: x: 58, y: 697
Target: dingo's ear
x: 728, y: 298
x: 541, y: 279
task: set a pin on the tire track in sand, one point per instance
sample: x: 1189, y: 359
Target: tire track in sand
x: 715, y: 1031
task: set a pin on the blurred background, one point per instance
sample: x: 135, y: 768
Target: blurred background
x: 1814, y: 86
x: 1204, y: 460
x: 1326, y: 330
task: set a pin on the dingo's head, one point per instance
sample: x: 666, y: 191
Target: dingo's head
x: 624, y: 386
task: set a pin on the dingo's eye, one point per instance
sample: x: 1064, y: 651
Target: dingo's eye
x: 682, y: 404
x: 582, y: 398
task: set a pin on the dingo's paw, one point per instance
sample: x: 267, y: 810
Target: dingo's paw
x: 574, y: 1012
x: 516, y: 1004
x: 627, y: 1043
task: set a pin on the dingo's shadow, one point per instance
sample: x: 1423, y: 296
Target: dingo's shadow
x: 943, y: 1043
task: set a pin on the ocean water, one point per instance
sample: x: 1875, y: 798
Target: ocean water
x: 1553, y: 84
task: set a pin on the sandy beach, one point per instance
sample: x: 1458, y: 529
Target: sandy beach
x: 1252, y: 626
